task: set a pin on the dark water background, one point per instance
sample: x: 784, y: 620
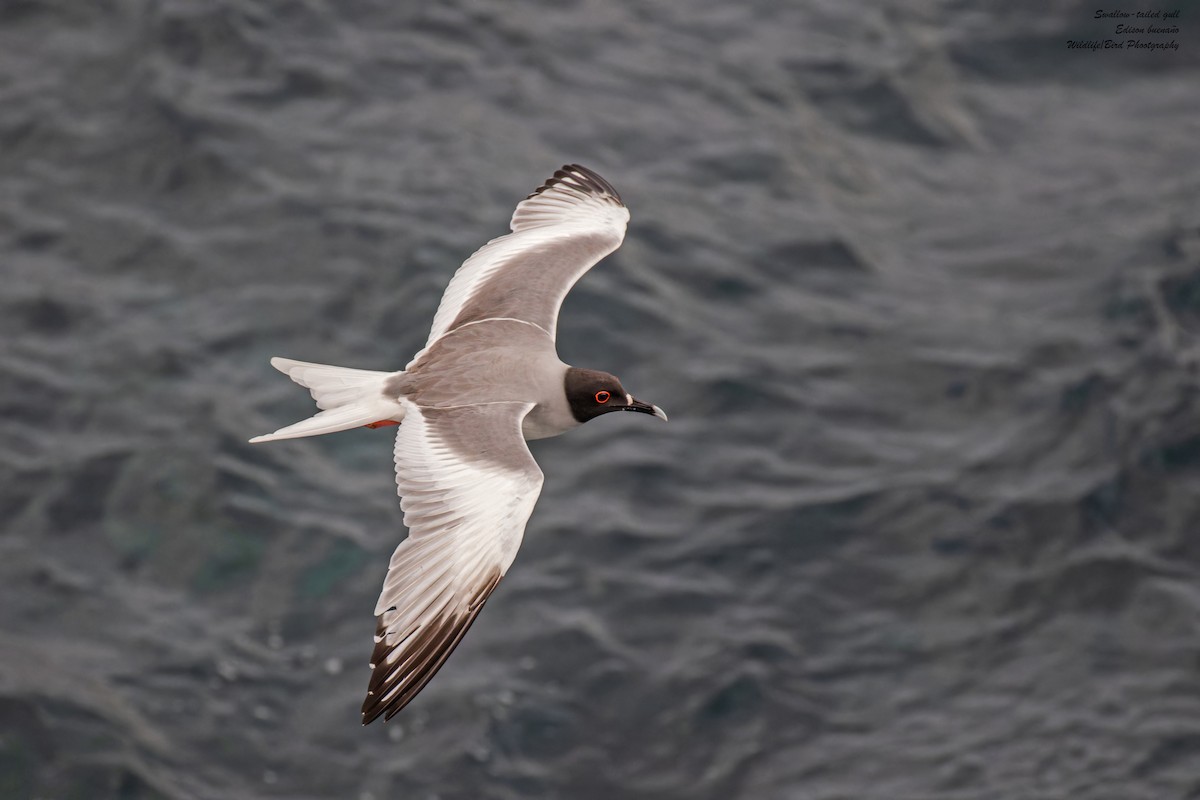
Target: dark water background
x: 918, y: 285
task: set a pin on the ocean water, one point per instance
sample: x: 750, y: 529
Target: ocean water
x: 918, y: 285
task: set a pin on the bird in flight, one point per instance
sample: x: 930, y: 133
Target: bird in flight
x: 488, y: 379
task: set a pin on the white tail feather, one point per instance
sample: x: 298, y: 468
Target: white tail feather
x: 330, y: 386
x: 350, y: 398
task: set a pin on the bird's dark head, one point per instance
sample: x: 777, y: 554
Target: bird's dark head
x: 591, y: 393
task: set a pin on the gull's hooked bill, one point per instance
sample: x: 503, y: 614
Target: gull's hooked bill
x: 488, y: 379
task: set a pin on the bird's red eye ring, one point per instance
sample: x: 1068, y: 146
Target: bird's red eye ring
x: 602, y: 396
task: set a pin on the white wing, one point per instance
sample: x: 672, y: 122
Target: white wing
x: 559, y: 232
x: 468, y: 485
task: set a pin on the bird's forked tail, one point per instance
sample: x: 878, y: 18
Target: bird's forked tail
x: 349, y: 398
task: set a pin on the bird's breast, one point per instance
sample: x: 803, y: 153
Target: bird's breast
x: 548, y: 419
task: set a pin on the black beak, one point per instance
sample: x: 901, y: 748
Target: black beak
x: 646, y: 408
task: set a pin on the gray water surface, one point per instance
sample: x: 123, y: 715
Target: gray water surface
x: 918, y: 285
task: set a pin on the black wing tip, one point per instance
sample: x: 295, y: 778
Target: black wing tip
x: 579, y: 177
x: 434, y: 645
x: 439, y: 643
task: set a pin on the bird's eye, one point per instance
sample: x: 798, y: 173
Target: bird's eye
x: 602, y: 396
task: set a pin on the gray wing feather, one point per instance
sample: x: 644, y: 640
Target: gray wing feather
x: 468, y: 485
x: 559, y: 232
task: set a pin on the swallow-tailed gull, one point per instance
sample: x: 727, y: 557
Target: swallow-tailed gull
x: 488, y: 378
